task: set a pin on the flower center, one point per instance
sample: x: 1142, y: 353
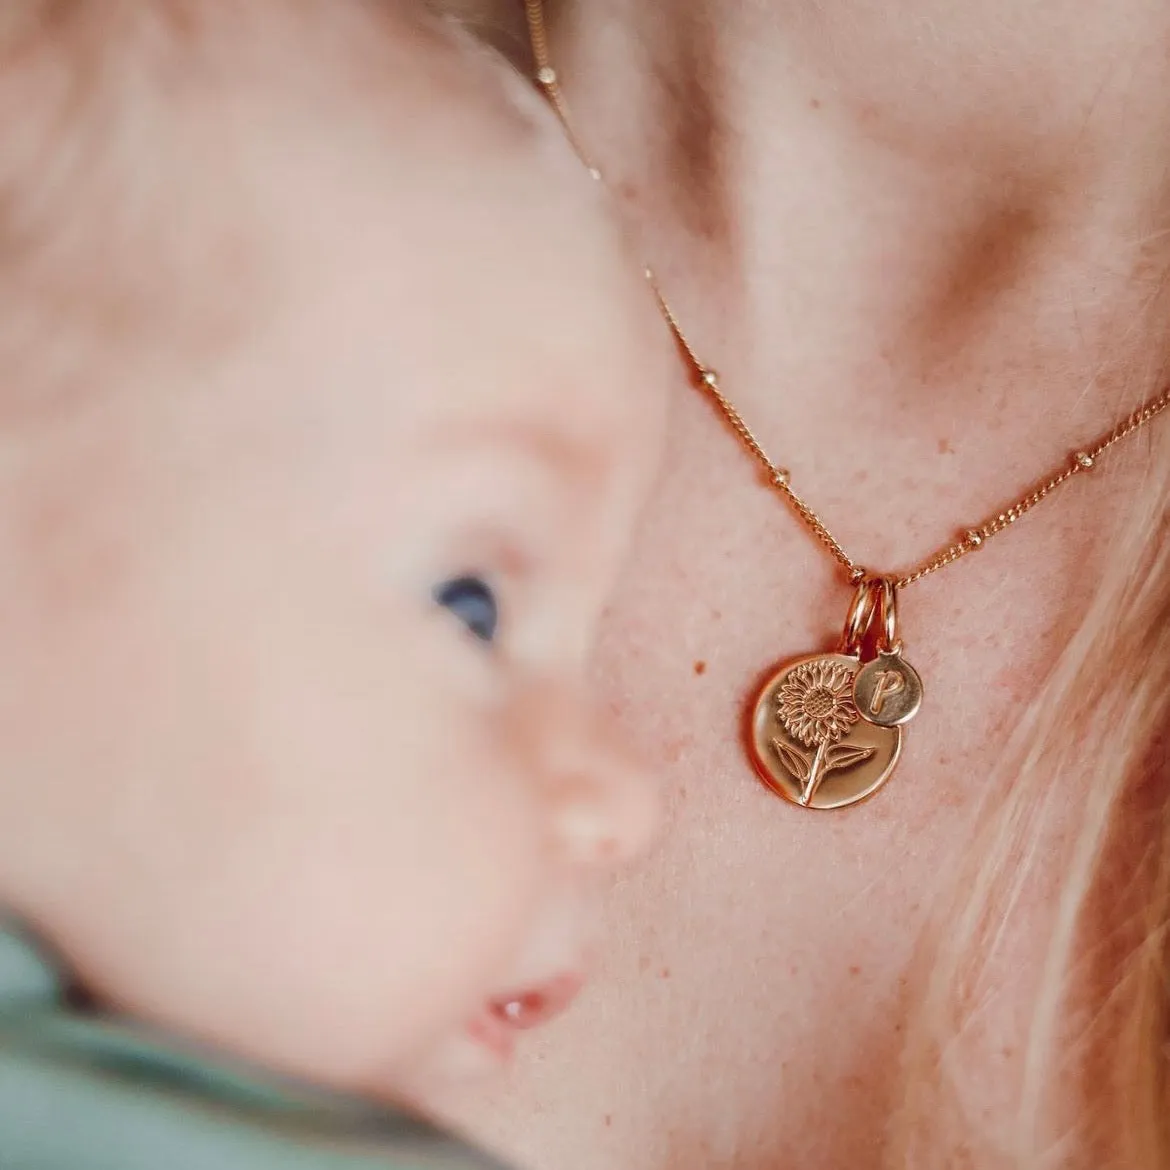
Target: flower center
x: 819, y: 703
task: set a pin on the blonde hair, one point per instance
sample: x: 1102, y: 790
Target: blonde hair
x: 1085, y: 772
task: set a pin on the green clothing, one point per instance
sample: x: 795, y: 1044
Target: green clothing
x: 82, y: 1092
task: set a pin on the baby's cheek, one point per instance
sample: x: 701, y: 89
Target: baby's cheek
x: 372, y: 854
x: 428, y: 837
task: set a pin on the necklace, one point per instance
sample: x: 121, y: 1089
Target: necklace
x: 826, y: 729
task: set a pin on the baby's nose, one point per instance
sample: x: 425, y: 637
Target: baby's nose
x: 605, y: 802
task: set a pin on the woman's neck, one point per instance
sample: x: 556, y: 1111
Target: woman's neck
x: 1046, y: 99
x: 922, y: 180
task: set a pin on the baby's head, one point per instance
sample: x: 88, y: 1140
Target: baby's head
x: 328, y: 403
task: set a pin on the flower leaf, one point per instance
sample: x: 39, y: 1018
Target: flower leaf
x: 792, y: 759
x: 845, y: 755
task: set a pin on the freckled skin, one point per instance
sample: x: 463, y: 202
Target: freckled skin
x: 899, y: 336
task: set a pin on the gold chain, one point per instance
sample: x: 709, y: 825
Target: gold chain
x: 1083, y: 459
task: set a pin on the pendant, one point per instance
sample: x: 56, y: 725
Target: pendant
x: 826, y: 729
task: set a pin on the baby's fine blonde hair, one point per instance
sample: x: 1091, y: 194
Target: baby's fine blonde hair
x: 130, y: 132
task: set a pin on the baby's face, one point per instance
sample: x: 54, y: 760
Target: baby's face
x: 306, y: 628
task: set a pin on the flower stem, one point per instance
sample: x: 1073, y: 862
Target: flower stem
x: 815, y: 773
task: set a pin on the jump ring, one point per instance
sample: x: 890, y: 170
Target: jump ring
x: 861, y: 611
x: 889, y: 614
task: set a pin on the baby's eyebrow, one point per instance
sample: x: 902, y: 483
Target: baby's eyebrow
x: 563, y: 451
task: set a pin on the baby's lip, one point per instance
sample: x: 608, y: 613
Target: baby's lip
x: 503, y: 1016
x: 537, y: 1005
x: 490, y: 1033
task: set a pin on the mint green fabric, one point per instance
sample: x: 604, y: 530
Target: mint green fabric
x: 82, y: 1092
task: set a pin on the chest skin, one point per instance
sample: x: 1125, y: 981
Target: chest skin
x: 751, y: 1005
x: 751, y: 1002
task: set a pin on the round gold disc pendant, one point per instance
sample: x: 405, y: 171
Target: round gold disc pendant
x: 808, y: 740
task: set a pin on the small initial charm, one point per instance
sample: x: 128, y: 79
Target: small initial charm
x: 887, y: 691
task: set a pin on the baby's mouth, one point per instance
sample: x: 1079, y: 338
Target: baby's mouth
x: 537, y: 1005
x: 504, y: 1016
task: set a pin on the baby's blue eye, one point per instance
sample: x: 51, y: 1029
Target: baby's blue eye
x: 472, y: 601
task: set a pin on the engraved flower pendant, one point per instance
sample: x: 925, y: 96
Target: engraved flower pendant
x: 808, y: 741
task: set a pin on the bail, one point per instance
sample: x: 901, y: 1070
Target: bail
x: 872, y: 617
